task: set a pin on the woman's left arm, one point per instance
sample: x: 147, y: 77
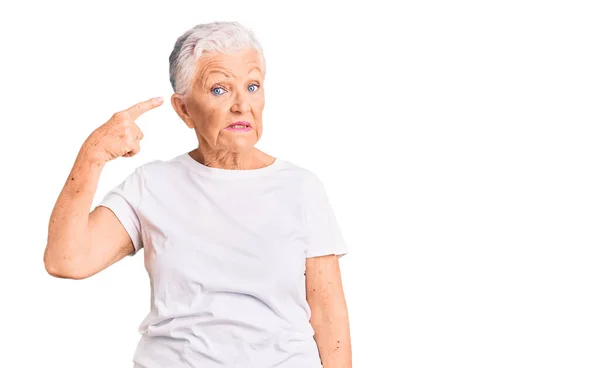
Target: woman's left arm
x: 329, y: 313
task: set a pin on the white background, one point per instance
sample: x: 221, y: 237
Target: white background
x: 458, y: 142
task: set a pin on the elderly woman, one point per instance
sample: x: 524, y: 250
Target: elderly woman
x: 241, y: 247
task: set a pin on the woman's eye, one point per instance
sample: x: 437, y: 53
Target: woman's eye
x: 253, y: 87
x: 217, y: 91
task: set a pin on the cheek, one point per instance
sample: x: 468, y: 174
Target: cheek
x: 198, y: 108
x: 209, y: 113
x: 259, y: 104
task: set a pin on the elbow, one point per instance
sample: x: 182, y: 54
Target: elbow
x: 62, y: 269
x: 62, y: 272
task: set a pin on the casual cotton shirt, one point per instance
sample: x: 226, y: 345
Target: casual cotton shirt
x: 225, y: 251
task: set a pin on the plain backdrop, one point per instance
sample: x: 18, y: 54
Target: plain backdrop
x: 458, y: 142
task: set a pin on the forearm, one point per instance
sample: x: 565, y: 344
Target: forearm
x: 332, y: 334
x: 67, y: 229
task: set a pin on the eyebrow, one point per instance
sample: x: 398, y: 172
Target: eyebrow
x: 257, y: 68
x: 209, y: 79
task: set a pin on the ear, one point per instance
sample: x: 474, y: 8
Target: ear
x: 178, y: 103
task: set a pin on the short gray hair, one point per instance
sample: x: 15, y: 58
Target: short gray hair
x: 223, y: 37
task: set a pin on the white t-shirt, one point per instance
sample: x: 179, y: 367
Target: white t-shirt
x: 225, y: 251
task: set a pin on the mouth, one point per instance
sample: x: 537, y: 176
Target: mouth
x: 239, y: 126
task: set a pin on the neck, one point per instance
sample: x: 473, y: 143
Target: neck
x: 248, y: 160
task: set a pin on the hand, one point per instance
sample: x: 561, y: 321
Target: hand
x: 119, y: 136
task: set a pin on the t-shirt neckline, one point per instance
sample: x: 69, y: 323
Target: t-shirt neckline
x: 227, y: 173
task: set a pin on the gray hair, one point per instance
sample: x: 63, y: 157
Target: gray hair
x: 226, y: 37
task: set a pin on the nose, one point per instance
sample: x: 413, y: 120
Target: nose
x: 240, y: 104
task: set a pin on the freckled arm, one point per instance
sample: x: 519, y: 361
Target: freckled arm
x: 329, y: 313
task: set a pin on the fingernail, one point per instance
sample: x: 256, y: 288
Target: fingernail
x: 158, y: 100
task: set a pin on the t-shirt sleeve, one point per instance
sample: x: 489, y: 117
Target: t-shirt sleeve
x: 123, y: 200
x: 324, y: 236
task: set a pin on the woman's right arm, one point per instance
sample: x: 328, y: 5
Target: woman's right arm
x: 81, y: 244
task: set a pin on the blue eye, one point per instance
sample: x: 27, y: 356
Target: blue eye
x: 251, y: 89
x: 217, y: 91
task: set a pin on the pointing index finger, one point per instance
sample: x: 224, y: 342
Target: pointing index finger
x: 138, y: 109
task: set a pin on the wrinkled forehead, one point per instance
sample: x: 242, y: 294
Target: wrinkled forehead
x: 242, y: 64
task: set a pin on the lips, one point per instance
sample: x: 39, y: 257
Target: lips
x: 237, y: 124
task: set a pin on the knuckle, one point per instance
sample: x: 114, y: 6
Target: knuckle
x: 120, y: 117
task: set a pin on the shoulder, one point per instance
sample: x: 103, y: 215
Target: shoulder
x: 301, y: 173
x: 307, y: 181
x: 139, y: 177
x: 160, y: 167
